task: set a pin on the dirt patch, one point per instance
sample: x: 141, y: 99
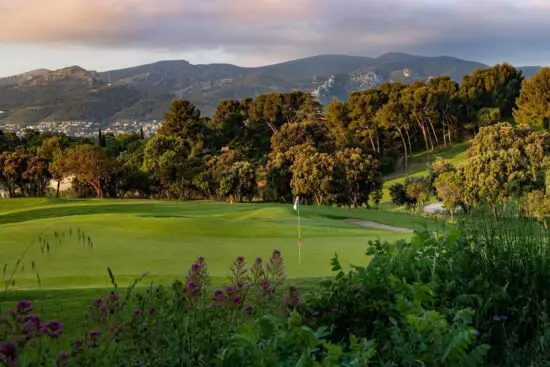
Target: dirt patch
x: 375, y: 225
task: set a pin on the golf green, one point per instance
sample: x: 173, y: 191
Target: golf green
x: 70, y: 244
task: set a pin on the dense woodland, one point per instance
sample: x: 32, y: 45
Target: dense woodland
x: 280, y: 145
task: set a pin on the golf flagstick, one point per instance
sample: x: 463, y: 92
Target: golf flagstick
x: 297, y: 208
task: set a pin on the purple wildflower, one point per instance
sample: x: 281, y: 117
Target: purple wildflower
x: 230, y: 290
x: 152, y: 311
x: 95, y: 335
x: 266, y: 286
x: 219, y: 295
x: 236, y: 300
x: 62, y: 359
x: 249, y: 309
x: 137, y: 312
x: 24, y: 307
x: 240, y: 260
x: 55, y: 329
x: 78, y: 346
x: 196, y: 267
x: 191, y: 285
x: 8, y: 354
x: 293, y: 298
x: 113, y: 297
x: 32, y: 324
x: 100, y: 304
x: 200, y: 260
x: 276, y: 254
x: 258, y: 260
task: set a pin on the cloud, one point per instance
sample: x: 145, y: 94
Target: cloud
x: 281, y: 29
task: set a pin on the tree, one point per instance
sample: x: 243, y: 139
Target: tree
x: 437, y: 168
x: 449, y: 186
x: 184, y: 121
x: 88, y: 163
x: 312, y: 177
x: 276, y: 109
x: 172, y: 165
x: 337, y: 122
x: 533, y: 104
x: 357, y: 176
x: 12, y: 167
x: 417, y: 190
x: 488, y: 116
x: 446, y: 94
x: 51, y: 147
x: 308, y: 132
x: 393, y: 117
x: 505, y: 162
x: 398, y: 194
x: 536, y: 204
x: 36, y: 176
x: 239, y: 182
x: 206, y: 183
x: 279, y: 172
x: 495, y: 87
x: 101, y: 140
x: 363, y: 107
x: 229, y: 125
x: 420, y: 103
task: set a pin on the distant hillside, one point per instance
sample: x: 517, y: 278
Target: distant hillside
x: 144, y: 92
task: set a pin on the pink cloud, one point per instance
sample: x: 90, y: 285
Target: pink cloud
x: 277, y: 29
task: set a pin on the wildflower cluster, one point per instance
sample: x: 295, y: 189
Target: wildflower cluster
x: 196, y: 281
x: 20, y: 327
x: 257, y: 284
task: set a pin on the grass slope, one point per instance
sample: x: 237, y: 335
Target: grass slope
x: 163, y: 238
x: 418, y: 165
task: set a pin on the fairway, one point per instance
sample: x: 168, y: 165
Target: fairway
x: 164, y: 238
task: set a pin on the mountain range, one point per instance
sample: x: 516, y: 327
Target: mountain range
x: 143, y: 93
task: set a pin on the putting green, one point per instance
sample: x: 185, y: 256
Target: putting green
x: 164, y: 238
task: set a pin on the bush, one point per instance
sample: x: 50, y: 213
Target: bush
x: 398, y: 195
x: 479, y: 290
x: 413, y: 193
x: 417, y: 191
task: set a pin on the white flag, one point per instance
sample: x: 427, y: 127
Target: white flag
x: 296, y: 203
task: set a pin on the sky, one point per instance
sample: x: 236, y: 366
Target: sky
x: 110, y: 34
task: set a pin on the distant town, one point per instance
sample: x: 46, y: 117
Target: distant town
x: 86, y: 128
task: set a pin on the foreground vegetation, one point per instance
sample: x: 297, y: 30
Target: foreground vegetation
x: 472, y: 296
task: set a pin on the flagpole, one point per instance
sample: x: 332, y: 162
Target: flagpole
x: 299, y: 239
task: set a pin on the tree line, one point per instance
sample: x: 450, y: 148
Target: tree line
x: 279, y: 145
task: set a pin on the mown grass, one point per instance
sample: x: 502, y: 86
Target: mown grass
x: 163, y: 238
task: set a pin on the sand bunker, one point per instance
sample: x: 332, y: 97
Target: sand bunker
x: 375, y: 225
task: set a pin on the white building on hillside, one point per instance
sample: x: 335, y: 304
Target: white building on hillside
x: 3, y: 193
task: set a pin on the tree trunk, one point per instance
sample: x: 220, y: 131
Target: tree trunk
x: 433, y: 130
x: 378, y: 142
x: 372, y: 143
x: 272, y: 127
x: 408, y: 139
x: 423, y: 129
x: 57, y: 190
x: 405, y: 149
